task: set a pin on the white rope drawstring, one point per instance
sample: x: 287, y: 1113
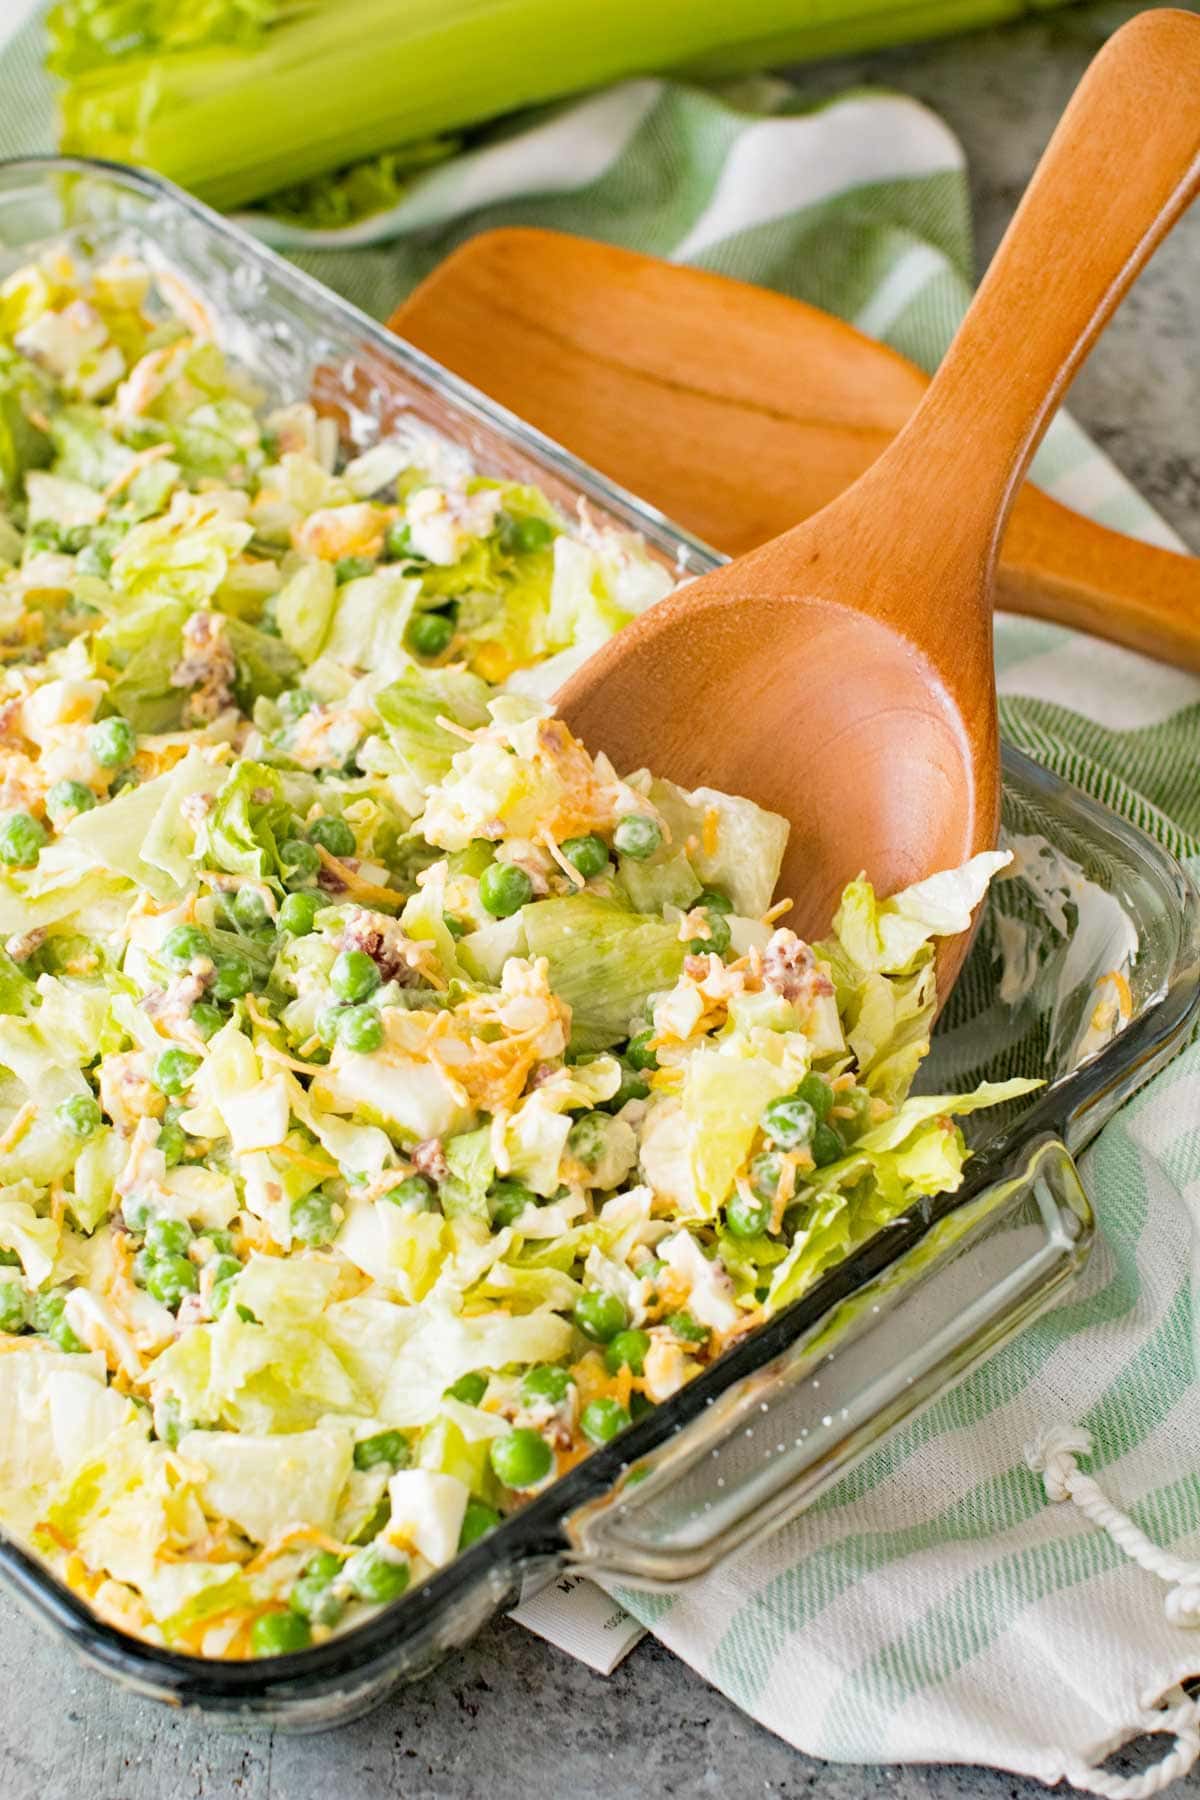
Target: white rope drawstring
x: 1052, y: 1455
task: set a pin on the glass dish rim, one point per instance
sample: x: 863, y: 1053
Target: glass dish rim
x: 534, y: 1533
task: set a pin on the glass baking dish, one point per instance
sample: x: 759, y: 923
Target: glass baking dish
x: 1085, y: 971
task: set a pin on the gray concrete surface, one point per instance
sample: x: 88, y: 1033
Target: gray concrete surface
x: 511, y: 1718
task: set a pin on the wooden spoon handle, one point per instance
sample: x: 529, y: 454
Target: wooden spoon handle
x: 1121, y: 167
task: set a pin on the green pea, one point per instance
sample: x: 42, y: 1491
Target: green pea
x: 788, y: 1121
x: 748, y: 1215
x: 354, y: 976
x: 588, y: 1138
x: 714, y: 901
x: 637, y: 835
x: 479, y: 855
x: 221, y: 1241
x: 818, y: 1093
x: 66, y: 800
x: 375, y: 1577
x: 360, y: 1029
x: 172, y: 1141
x: 634, y: 1086
x: 546, y: 1382
x: 174, y: 1071
x: 429, y: 634
x: 299, y: 862
x: 249, y: 908
x: 80, y: 1114
x: 386, y: 1447
x: 312, y: 1218
x: 234, y: 976
x: 600, y: 1315
x: 168, y: 1237
x: 827, y: 1145
x: 688, y: 1329
x: 224, y: 1268
x: 351, y: 568
x: 413, y: 1194
x: 113, y: 742
x: 627, y: 1350
x: 507, y: 1200
x: 207, y: 1018
x: 279, y: 1633
x: 171, y: 1278
x: 313, y: 1597
x: 328, y: 1021
x: 469, y: 1388
x: 14, y: 1307
x: 587, y: 854
x: 298, y: 913
x: 639, y: 1051
x: 601, y: 1420
x: 521, y: 1458
x: 478, y: 1520
x: 719, y: 935
x: 333, y: 834
x: 21, y: 840
x: 144, y: 1265
x: 766, y: 1173
x: 858, y: 1101
x: 522, y: 537
x: 504, y: 889
x: 185, y: 945
x: 295, y: 703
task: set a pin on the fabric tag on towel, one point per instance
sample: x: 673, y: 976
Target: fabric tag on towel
x: 575, y: 1615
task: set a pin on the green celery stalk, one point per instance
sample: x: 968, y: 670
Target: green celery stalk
x: 274, y: 94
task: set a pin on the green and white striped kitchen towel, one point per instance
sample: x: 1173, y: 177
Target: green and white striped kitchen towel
x: 936, y: 1606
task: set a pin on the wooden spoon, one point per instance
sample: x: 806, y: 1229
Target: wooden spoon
x: 675, y: 382
x: 842, y: 674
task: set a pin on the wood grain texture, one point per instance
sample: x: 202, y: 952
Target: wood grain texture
x: 738, y: 411
x: 841, y: 673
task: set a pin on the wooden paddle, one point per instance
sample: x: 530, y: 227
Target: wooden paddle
x: 737, y: 411
x: 842, y: 673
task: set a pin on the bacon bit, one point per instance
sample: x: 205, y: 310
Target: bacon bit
x: 777, y: 911
x: 382, y: 899
x: 18, y: 1126
x: 711, y: 830
x: 152, y: 454
x: 429, y: 1159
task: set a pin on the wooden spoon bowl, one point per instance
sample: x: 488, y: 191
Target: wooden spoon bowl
x: 842, y: 674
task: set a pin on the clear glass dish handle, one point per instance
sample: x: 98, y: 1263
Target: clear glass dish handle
x: 768, y: 1447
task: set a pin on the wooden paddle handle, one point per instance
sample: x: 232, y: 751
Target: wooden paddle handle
x: 1122, y: 165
